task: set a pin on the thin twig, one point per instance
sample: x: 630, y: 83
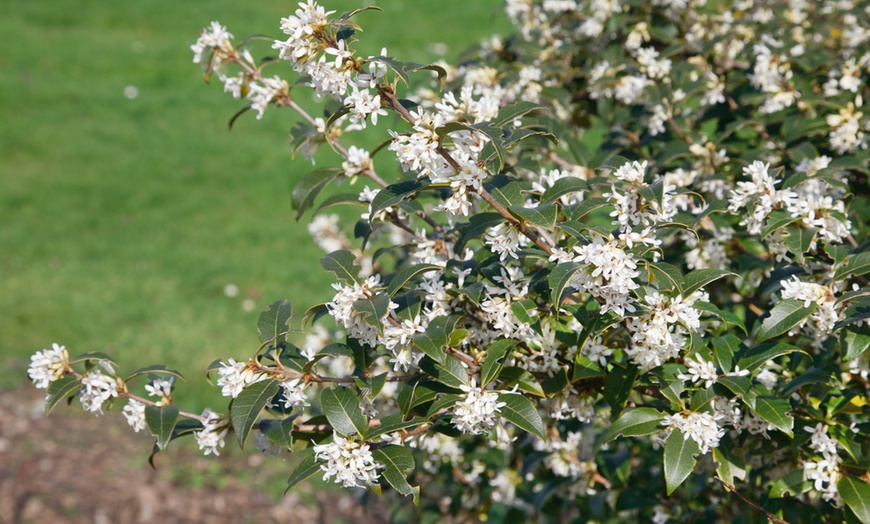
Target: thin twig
x: 732, y: 489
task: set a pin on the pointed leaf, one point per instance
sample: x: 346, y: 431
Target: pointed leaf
x: 697, y: 279
x: 636, y: 422
x: 856, y: 265
x: 778, y: 219
x: 757, y: 356
x: 854, y: 341
x: 273, y: 322
x: 564, y: 186
x: 398, y: 462
x: 341, y: 408
x: 450, y: 373
x: 60, y: 389
x: 278, y: 431
x: 157, y: 368
x: 618, y: 387
x: 161, y: 421
x: 496, y: 355
x: 245, y: 408
x: 679, y: 459
x: 856, y: 495
x: 513, y: 375
x: 775, y: 411
x: 403, y: 276
x: 393, y: 194
x: 307, y: 189
x: 508, y: 114
x: 394, y: 423
x: 543, y: 216
x: 342, y: 264
x: 307, y: 468
x: 559, y: 278
x: 784, y: 317
x: 522, y: 413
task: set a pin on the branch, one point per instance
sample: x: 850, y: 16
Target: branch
x: 769, y: 515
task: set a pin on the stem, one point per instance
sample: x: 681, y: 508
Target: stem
x: 127, y: 394
x: 769, y: 515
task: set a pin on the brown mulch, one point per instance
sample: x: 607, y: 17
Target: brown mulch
x: 73, y: 468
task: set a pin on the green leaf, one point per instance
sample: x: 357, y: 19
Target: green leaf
x: 91, y: 355
x: 279, y: 432
x: 559, y: 278
x: 506, y: 190
x: 508, y: 114
x: 161, y: 421
x: 432, y: 342
x: 778, y: 219
x: 157, y: 368
x: 60, y: 389
x: 699, y: 278
x: 398, y: 462
x: 393, y: 194
x: 856, y: 265
x: 342, y: 264
x: 854, y: 341
x: 654, y: 192
x: 442, y: 73
x: 679, y: 459
x: 346, y: 16
x: 522, y: 413
x: 800, y: 240
x: 543, y: 216
x: 273, y: 322
x: 636, y: 422
x: 397, y: 66
x: 729, y: 318
x: 792, y: 483
x: 724, y: 349
x: 341, y: 408
x: 307, y: 189
x: 245, y: 408
x: 444, y: 402
x: 495, y: 144
x: 856, y: 495
x: 564, y: 186
x: 306, y: 469
x: 587, y: 206
x: 731, y: 465
x: 403, y: 276
x: 757, y: 356
x: 668, y: 274
x: 526, y: 381
x: 339, y: 199
x: 618, y: 387
x: 450, y: 373
x: 775, y: 411
x: 496, y: 355
x: 784, y: 317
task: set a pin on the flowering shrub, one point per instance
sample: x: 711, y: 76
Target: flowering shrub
x: 612, y: 267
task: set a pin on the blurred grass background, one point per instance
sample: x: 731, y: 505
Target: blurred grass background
x: 123, y: 218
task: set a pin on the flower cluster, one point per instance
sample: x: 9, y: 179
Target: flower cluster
x: 478, y: 412
x: 351, y: 463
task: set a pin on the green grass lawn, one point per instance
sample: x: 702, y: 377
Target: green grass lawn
x: 121, y: 220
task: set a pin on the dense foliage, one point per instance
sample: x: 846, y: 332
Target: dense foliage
x: 612, y: 267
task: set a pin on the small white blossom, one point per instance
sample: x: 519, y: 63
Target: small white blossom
x: 96, y: 389
x: 478, y: 412
x: 348, y: 461
x: 235, y: 376
x: 134, y: 412
x: 213, y: 434
x: 48, y: 365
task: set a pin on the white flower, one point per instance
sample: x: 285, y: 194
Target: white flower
x: 358, y: 160
x: 162, y: 389
x: 478, y: 412
x: 134, y: 412
x: 505, y: 240
x: 362, y: 104
x: 96, y: 389
x: 48, y: 365
x: 700, y: 427
x: 700, y: 370
x: 235, y: 376
x: 212, y: 436
x: 294, y: 393
x: 348, y: 461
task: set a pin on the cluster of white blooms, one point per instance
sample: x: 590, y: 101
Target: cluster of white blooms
x: 761, y: 193
x: 213, y: 433
x: 343, y: 311
x: 700, y: 427
x: 821, y: 322
x: 820, y: 204
x: 847, y: 133
x: 214, y: 38
x: 825, y: 472
x: 659, y: 334
x: 134, y: 412
x: 700, y: 370
x: 397, y: 337
x: 477, y: 413
x: 563, y: 455
x: 293, y: 391
x: 48, y: 365
x: 162, y: 389
x: 772, y: 75
x: 348, y: 461
x: 96, y: 389
x: 325, y: 231
x: 236, y: 376
x: 505, y: 240
x: 358, y: 161
x: 609, y: 275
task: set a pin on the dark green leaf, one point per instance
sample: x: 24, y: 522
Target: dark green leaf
x: 559, y: 278
x: 247, y: 407
x: 398, y: 462
x: 669, y: 275
x: 444, y: 402
x: 450, y: 373
x: 507, y: 191
x: 724, y: 349
x: 279, y: 432
x: 442, y: 73
x: 307, y: 189
x: 856, y: 265
x: 397, y: 66
x: 784, y: 317
x: 856, y: 495
x: 775, y: 411
x: 91, y: 355
x: 496, y: 355
x: 729, y: 318
x: 792, y: 483
x: 564, y: 186
x: 161, y: 421
x: 306, y: 469
x: 342, y: 264
x: 341, y: 408
x: 543, y: 216
x: 757, y: 356
x: 800, y: 240
x: 508, y: 114
x: 587, y: 206
x: 393, y: 423
x: 679, y: 459
x: 854, y: 341
x: 273, y: 322
x: 403, y: 276
x: 697, y: 279
x: 393, y: 194
x: 432, y: 342
x: 513, y: 375
x: 617, y: 388
x: 60, y: 389
x: 731, y: 464
x: 522, y: 413
x: 373, y: 309
x: 778, y: 219
x: 157, y: 368
x: 636, y: 422
x: 338, y: 199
